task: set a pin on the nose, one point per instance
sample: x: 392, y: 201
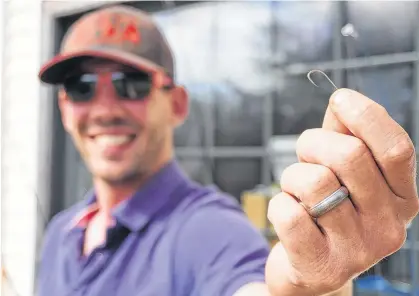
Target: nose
x: 105, y: 104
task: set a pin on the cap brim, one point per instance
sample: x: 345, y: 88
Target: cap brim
x: 55, y: 70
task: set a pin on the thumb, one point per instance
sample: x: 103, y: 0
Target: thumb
x: 331, y: 122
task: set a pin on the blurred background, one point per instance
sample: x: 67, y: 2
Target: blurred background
x: 244, y: 64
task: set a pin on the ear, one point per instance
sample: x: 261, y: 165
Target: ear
x: 180, y: 105
x: 63, y: 105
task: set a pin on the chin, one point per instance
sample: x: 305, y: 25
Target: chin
x: 118, y: 178
x: 115, y: 173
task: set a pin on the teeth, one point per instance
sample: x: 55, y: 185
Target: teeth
x: 112, y: 140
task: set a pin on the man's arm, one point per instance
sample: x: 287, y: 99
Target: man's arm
x: 261, y: 289
x: 218, y: 251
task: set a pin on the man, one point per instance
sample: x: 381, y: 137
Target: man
x: 146, y: 229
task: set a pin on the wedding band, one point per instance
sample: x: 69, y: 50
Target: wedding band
x: 329, y: 203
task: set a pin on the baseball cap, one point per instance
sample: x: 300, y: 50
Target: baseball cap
x: 118, y: 33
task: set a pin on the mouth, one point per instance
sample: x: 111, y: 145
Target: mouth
x: 112, y: 144
x: 113, y: 140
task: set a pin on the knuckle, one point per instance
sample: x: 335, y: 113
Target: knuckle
x: 395, y: 237
x: 413, y: 208
x: 288, y: 173
x: 305, y: 137
x: 374, y: 110
x: 321, y: 181
x: 289, y: 222
x: 312, y: 179
x: 409, y: 209
x: 355, y: 151
x: 273, y: 204
x: 293, y: 221
x: 380, y: 110
x: 402, y: 151
x: 392, y: 235
x: 368, y: 112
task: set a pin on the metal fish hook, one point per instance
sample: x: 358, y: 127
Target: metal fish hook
x: 309, y: 76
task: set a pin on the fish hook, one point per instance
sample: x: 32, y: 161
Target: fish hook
x: 309, y: 76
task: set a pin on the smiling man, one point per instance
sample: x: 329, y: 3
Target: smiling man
x: 147, y: 229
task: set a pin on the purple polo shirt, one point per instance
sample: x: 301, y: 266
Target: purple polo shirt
x: 172, y: 238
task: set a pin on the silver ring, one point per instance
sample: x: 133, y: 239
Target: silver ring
x: 329, y: 203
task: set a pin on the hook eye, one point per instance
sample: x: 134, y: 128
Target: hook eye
x: 320, y: 79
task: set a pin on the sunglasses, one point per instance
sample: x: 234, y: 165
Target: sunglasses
x: 129, y: 86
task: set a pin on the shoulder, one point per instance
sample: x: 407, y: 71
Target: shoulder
x: 218, y: 221
x: 220, y: 247
x: 57, y: 227
x: 218, y: 213
x: 61, y: 222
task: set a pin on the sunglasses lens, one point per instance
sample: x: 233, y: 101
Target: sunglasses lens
x: 132, y: 86
x: 81, y: 88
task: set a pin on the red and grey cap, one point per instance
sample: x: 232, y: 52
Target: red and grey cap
x: 119, y: 33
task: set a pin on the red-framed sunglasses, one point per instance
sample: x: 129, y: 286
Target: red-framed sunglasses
x: 130, y: 85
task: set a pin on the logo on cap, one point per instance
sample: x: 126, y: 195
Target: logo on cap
x: 117, y: 29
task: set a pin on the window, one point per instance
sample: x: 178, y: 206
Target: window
x: 304, y: 31
x: 197, y: 168
x: 391, y: 86
x: 389, y: 29
x: 235, y: 175
x: 298, y: 105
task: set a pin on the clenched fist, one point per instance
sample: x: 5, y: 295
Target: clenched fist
x: 362, y: 148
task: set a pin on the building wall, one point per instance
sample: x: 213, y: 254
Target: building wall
x: 26, y: 136
x: 20, y: 105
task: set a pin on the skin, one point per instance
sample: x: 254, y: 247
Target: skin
x: 117, y: 175
x: 359, y: 145
x: 363, y: 148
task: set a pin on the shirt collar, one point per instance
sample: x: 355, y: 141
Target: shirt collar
x: 137, y: 211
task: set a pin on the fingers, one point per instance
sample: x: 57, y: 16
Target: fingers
x: 330, y: 122
x: 296, y: 229
x: 304, y: 248
x: 312, y: 183
x: 351, y: 161
x: 387, y: 140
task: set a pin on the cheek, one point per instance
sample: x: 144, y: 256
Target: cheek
x: 138, y: 110
x: 74, y: 117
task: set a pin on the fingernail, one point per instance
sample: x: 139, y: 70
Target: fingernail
x: 341, y: 97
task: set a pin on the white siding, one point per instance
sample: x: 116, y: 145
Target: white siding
x: 20, y: 106
x: 26, y: 111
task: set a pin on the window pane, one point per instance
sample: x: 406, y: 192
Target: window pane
x: 242, y: 30
x: 194, y: 129
x: 299, y: 105
x: 238, y: 117
x: 304, y: 31
x: 242, y: 56
x: 388, y: 29
x: 192, y: 59
x: 237, y: 175
x: 188, y: 31
x: 196, y: 168
x: 390, y: 86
